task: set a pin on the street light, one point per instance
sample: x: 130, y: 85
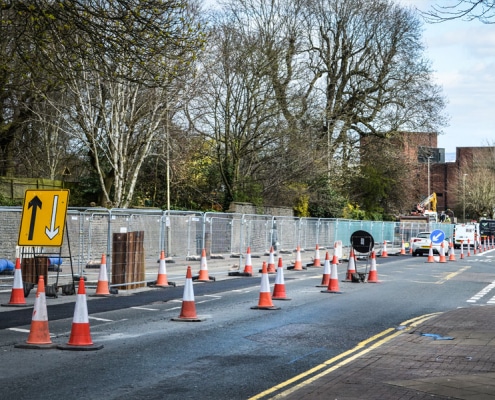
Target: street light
x: 464, y: 198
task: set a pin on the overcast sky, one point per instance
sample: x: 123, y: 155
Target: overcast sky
x: 463, y: 58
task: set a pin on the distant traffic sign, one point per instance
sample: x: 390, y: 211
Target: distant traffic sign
x: 437, y: 236
x: 43, y: 217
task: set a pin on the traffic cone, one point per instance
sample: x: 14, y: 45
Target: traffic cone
x: 351, y: 266
x: 203, y: 271
x: 384, y: 249
x: 451, y: 252
x: 102, y: 288
x: 17, y: 295
x: 410, y: 248
x: 462, y: 250
x: 265, y: 300
x: 248, y: 267
x: 468, y: 248
x: 333, y: 283
x: 39, y: 334
x: 279, y: 287
x: 162, y: 279
x: 188, y: 310
x: 326, y: 270
x: 335, y: 250
x: 298, y: 263
x: 403, y: 249
x: 270, y: 268
x: 442, y: 254
x: 316, y: 261
x: 80, y: 336
x: 430, y: 259
x: 373, y: 274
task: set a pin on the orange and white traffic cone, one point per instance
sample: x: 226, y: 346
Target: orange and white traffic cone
x: 373, y: 274
x: 384, y: 249
x: 442, y: 254
x: 270, y: 268
x: 279, y: 287
x: 462, y: 250
x: 468, y: 248
x: 326, y: 270
x: 265, y: 300
x: 298, y: 263
x: 336, y: 250
x: 203, y: 270
x: 430, y: 259
x: 102, y: 288
x: 39, y: 334
x: 316, y: 260
x: 351, y: 266
x: 403, y: 249
x: 162, y: 279
x: 248, y: 266
x: 80, y: 335
x: 451, y: 252
x: 333, y: 283
x: 17, y: 295
x: 188, y: 310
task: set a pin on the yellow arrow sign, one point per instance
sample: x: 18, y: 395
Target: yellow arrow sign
x: 43, y: 217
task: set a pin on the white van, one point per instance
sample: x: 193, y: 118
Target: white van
x: 466, y: 232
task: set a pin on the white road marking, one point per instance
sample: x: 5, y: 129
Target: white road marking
x: 483, y: 293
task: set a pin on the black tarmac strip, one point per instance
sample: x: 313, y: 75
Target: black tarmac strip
x: 20, y: 317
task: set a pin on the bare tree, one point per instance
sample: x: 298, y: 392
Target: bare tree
x: 113, y: 60
x: 237, y: 111
x: 375, y: 81
x: 482, y: 10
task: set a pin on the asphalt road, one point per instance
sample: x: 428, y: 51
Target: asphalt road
x: 236, y: 352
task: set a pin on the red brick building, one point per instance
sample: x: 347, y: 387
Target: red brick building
x: 431, y: 173
x: 449, y: 180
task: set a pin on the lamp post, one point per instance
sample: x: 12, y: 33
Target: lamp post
x: 464, y: 198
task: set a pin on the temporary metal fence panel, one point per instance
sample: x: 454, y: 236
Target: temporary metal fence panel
x: 327, y: 233
x: 94, y: 236
x: 257, y: 233
x: 219, y: 231
x: 181, y: 233
x: 309, y: 233
x: 287, y: 233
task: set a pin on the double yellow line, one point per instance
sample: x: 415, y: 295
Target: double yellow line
x: 342, y: 359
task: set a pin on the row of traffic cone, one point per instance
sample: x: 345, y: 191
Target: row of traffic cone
x: 443, y: 257
x: 39, y: 333
x: 80, y: 337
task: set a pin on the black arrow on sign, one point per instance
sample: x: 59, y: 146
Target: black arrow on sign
x: 35, y: 203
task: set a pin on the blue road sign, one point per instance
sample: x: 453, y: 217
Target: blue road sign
x: 437, y: 236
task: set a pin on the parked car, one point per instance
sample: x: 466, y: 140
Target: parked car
x: 420, y: 245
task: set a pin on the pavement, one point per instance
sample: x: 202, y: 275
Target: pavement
x: 443, y: 356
